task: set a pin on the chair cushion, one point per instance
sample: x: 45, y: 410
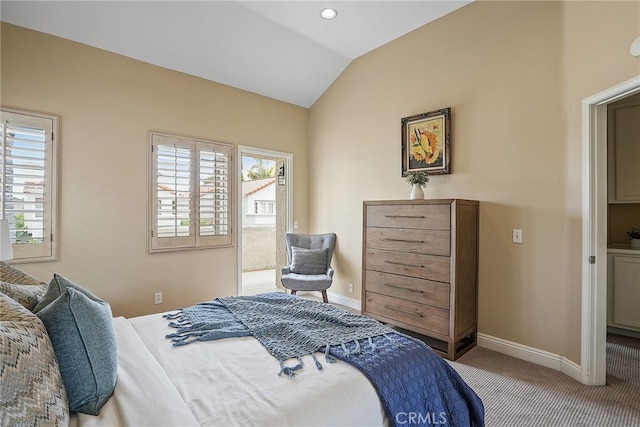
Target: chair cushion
x: 31, y: 388
x: 308, y: 261
x: 306, y: 282
x: 80, y: 328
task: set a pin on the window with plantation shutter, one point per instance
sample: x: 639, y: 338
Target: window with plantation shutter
x: 28, y: 182
x: 190, y: 195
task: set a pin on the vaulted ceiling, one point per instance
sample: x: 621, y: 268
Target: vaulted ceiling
x: 280, y: 49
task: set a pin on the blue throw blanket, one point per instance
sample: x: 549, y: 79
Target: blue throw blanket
x: 415, y: 385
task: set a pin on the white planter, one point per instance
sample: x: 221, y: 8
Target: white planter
x: 416, y: 192
x: 635, y: 243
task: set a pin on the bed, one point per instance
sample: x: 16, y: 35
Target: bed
x: 230, y: 381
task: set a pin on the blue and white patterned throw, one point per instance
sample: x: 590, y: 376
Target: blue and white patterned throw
x: 415, y: 385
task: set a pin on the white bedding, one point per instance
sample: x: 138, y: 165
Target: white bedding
x: 227, y: 382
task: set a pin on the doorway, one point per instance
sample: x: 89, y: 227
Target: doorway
x: 594, y: 229
x: 263, y: 218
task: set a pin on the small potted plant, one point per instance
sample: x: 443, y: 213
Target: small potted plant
x: 417, y: 179
x: 634, y: 235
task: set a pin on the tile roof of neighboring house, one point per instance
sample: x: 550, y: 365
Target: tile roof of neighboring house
x: 253, y: 186
x: 29, y: 186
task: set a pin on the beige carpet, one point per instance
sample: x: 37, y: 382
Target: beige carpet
x: 516, y: 393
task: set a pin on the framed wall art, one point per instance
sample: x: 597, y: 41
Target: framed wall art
x: 426, y: 142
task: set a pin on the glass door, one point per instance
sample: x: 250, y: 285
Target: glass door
x: 263, y: 219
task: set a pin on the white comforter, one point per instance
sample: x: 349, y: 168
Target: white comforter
x: 230, y: 382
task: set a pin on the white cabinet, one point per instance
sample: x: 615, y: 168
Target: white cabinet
x: 623, y: 128
x: 623, y: 289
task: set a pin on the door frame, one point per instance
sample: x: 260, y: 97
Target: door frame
x: 594, y: 229
x: 288, y: 173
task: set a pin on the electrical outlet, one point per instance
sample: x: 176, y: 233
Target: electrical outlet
x: 157, y: 298
x: 350, y: 287
x: 517, y: 235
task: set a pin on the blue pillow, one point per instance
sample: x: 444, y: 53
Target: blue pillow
x: 80, y: 329
x: 56, y: 287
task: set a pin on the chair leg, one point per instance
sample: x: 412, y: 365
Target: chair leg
x: 324, y: 296
x: 293, y: 292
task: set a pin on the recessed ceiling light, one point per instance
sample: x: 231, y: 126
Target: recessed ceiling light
x: 328, y: 13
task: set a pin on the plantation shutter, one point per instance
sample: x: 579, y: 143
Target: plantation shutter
x: 214, y: 194
x: 28, y: 182
x: 172, y: 188
x: 190, y: 193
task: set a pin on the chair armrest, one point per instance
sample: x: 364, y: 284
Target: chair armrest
x: 330, y: 271
x: 286, y: 269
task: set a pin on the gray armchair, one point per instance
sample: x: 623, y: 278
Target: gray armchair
x: 309, y: 268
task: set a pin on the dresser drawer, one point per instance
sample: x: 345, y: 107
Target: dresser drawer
x: 423, y: 316
x: 420, y: 269
x: 409, y: 288
x: 432, y: 267
x: 432, y: 217
x: 428, y: 242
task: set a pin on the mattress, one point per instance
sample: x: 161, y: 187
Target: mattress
x: 227, y: 382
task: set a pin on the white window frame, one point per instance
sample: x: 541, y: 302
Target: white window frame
x: 48, y: 125
x: 191, y: 235
x: 267, y: 204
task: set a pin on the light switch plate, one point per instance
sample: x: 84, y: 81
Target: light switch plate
x: 517, y: 235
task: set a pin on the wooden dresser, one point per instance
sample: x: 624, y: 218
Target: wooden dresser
x: 420, y: 269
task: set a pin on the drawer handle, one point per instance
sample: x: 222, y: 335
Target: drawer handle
x: 410, y: 313
x: 405, y: 216
x: 404, y: 240
x: 391, y: 285
x: 403, y: 264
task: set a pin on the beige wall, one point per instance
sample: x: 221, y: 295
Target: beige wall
x: 107, y: 103
x: 514, y: 74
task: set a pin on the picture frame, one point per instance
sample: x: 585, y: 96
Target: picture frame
x: 426, y: 142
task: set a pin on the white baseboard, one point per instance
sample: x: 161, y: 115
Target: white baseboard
x: 519, y: 351
x: 337, y: 299
x: 346, y: 301
x: 533, y: 355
